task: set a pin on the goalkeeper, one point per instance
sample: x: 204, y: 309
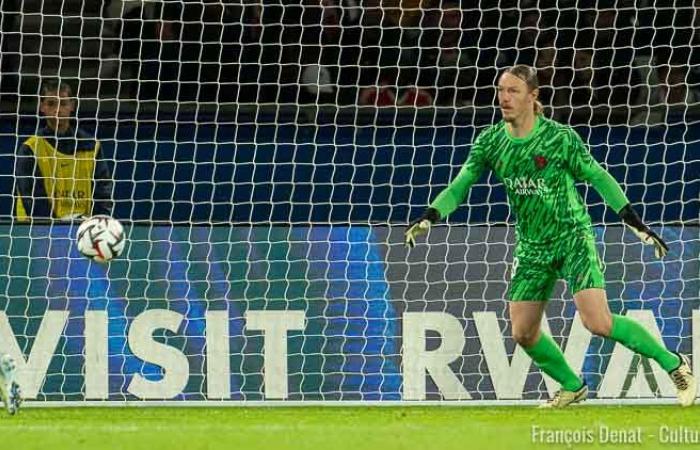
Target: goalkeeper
x: 539, y: 161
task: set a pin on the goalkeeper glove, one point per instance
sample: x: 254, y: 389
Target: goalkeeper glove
x: 630, y: 217
x: 420, y: 226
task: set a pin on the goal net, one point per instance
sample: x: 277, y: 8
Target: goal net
x: 265, y: 158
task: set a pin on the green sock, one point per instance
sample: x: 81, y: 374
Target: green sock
x: 634, y: 336
x: 549, y: 358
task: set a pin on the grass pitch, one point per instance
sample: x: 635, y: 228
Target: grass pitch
x: 341, y: 428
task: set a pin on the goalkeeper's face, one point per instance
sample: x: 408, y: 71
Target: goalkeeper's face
x: 515, y: 98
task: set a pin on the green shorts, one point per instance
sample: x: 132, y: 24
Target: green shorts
x: 537, y: 267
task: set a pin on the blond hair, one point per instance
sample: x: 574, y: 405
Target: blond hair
x: 529, y: 75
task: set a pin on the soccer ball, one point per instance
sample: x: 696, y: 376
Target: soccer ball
x: 101, y: 238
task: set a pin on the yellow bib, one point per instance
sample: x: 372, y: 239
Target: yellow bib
x: 68, y: 179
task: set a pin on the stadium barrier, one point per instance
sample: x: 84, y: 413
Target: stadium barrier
x: 227, y: 314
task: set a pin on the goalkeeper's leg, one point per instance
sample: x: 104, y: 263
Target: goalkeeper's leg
x: 526, y: 317
x: 593, y: 306
x: 531, y: 286
x: 9, y: 388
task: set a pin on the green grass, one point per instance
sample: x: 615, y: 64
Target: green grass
x: 336, y: 428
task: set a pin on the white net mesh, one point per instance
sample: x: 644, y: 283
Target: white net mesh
x: 264, y: 158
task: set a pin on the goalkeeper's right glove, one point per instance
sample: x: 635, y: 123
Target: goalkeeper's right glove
x: 630, y: 217
x: 420, y: 226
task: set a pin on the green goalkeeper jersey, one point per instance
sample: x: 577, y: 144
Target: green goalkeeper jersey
x: 539, y: 172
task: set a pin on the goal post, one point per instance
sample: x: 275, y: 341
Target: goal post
x: 265, y: 161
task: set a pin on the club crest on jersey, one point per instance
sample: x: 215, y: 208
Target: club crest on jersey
x: 540, y: 161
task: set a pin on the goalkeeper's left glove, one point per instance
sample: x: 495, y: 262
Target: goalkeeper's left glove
x: 420, y: 226
x: 630, y: 217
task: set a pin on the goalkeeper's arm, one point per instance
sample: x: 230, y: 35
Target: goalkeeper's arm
x: 585, y: 167
x: 452, y: 196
